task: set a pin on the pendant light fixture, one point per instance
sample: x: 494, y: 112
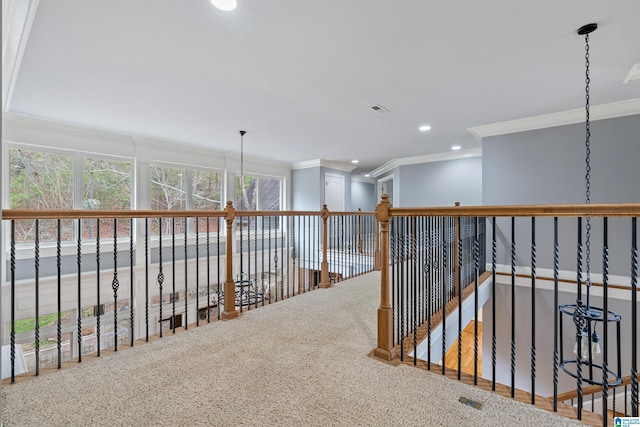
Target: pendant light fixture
x: 590, y: 356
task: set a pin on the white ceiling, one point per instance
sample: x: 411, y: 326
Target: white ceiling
x: 301, y: 75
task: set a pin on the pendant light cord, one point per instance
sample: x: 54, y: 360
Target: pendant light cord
x: 242, y: 132
x: 587, y: 160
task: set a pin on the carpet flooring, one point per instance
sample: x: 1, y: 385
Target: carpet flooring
x: 299, y: 362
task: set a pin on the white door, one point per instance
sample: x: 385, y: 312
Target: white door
x: 334, y: 192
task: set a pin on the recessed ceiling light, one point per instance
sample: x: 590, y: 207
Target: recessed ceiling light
x: 355, y: 161
x: 456, y: 147
x: 424, y: 128
x: 367, y: 175
x: 225, y: 5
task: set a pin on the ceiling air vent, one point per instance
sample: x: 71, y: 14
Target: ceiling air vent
x: 380, y: 109
x: 634, y: 74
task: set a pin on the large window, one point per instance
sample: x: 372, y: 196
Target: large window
x: 258, y: 193
x: 45, y: 180
x: 181, y: 188
x: 106, y: 184
x: 40, y: 180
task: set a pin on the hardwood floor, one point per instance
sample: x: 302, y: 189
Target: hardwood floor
x: 467, y: 350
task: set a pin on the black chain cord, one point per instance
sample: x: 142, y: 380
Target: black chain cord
x: 588, y: 160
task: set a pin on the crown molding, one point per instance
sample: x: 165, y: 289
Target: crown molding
x: 597, y: 112
x: 183, y: 152
x: 364, y: 179
x: 427, y: 158
x: 17, y: 19
x: 316, y: 163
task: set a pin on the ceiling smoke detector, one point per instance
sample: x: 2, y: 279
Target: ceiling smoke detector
x: 380, y: 109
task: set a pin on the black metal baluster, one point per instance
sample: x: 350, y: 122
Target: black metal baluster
x: 533, y: 310
x: 255, y: 261
x: 13, y: 299
x: 513, y: 307
x: 578, y: 334
x: 403, y: 232
x: 219, y: 220
x: 264, y: 295
x: 131, y: 297
x: 146, y: 278
x: 198, y: 273
x: 160, y: 274
x: 493, y: 303
x: 36, y: 260
x: 429, y: 272
x: 186, y: 281
x: 459, y: 280
x: 98, y: 332
x: 305, y: 253
x: 556, y: 269
x: 248, y: 260
x: 414, y: 278
x: 59, y: 288
x: 269, y: 263
x: 173, y: 274
x: 605, y: 324
x: 240, y: 229
x: 445, y: 269
x: 282, y: 261
x: 292, y: 245
x: 614, y: 402
x: 476, y: 261
x: 634, y: 318
x: 209, y: 273
x: 115, y: 284
x: 79, y: 290
x: 394, y: 256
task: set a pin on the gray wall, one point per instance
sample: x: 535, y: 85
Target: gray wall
x: 305, y: 189
x: 363, y: 196
x: 547, y: 166
x: 440, y: 183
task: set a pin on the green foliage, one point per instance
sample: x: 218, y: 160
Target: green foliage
x: 26, y: 325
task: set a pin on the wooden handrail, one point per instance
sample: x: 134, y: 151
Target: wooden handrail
x: 28, y: 214
x: 597, y: 210
x: 573, y: 282
x: 589, y: 390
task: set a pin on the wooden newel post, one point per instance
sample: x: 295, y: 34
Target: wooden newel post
x: 229, y: 311
x: 324, y: 268
x: 376, y: 251
x: 385, y: 349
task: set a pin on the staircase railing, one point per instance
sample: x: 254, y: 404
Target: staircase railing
x: 86, y: 283
x: 434, y: 253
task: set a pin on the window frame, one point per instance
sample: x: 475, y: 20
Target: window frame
x: 188, y: 190
x: 68, y: 247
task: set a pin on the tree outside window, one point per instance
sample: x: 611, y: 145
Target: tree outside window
x: 40, y: 180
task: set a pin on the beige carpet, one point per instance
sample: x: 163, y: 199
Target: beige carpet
x: 300, y: 362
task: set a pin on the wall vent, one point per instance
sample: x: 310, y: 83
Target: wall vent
x: 380, y: 109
